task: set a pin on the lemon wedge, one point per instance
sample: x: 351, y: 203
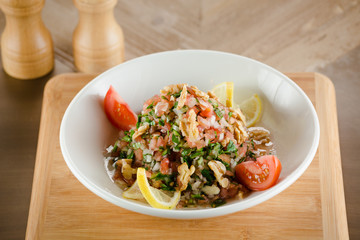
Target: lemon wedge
x: 133, y: 192
x: 251, y: 108
x: 155, y: 197
x: 224, y: 91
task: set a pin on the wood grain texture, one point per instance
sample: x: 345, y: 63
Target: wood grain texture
x: 332, y: 189
x: 62, y: 208
x: 98, y: 41
x: 288, y: 35
x: 26, y: 44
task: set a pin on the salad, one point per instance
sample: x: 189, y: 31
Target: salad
x: 187, y: 149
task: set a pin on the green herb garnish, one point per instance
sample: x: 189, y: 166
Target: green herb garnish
x: 242, y: 159
x: 138, y: 121
x: 230, y: 148
x: 208, y: 175
x: 214, y: 104
x: 131, y: 155
x: 185, y: 152
x: 218, y: 113
x: 252, y: 143
x: 126, y: 138
x: 166, y: 151
x: 176, y: 104
x: 150, y: 106
x: 166, y: 187
x: 218, y: 202
x: 175, y: 138
x: 176, y: 95
x: 115, y: 146
x: 196, y: 154
x: 197, y: 196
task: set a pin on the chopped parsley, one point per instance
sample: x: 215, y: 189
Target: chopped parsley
x: 208, y: 175
x: 197, y: 196
x: 252, y: 143
x: 185, y: 152
x: 218, y: 113
x: 150, y: 106
x: 176, y: 104
x: 167, y: 181
x: 242, y: 159
x: 218, y: 202
x: 130, y: 155
x: 196, y: 154
x: 176, y: 95
x: 166, y: 187
x: 115, y: 147
x: 230, y: 148
x: 138, y: 121
x: 165, y: 151
x: 226, y: 165
x: 214, y: 104
x: 126, y: 138
x: 175, y: 138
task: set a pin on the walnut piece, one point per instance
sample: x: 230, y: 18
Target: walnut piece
x: 126, y: 170
x: 240, y: 133
x: 188, y: 126
x: 219, y: 170
x: 174, y: 88
x: 182, y: 98
x: 213, y: 96
x: 199, y: 93
x: 140, y: 131
x: 184, y: 175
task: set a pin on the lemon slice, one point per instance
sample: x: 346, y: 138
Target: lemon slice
x: 155, y: 197
x: 133, y: 192
x: 251, y: 108
x: 224, y: 91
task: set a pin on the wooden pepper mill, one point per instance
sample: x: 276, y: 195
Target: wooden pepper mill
x: 98, y: 41
x: 26, y: 44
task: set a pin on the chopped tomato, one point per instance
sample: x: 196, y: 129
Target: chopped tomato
x: 206, y: 108
x: 260, y: 174
x: 207, y: 112
x: 164, y: 166
x: 153, y: 100
x: 118, y: 111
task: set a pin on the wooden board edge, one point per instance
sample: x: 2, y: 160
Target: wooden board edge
x: 331, y: 179
x: 41, y: 178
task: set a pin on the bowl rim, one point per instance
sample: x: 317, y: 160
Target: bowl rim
x: 191, y: 213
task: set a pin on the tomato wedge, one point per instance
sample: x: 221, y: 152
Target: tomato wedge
x: 260, y: 174
x: 118, y: 111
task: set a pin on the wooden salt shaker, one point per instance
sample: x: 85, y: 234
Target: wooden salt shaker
x: 98, y: 41
x: 26, y: 45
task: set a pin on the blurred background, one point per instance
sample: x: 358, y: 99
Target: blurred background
x: 289, y: 35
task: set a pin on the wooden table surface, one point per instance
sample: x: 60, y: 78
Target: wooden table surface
x: 292, y: 36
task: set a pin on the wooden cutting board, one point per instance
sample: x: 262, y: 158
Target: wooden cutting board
x: 62, y: 208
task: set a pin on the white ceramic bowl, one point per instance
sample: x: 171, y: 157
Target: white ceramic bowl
x: 287, y: 112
